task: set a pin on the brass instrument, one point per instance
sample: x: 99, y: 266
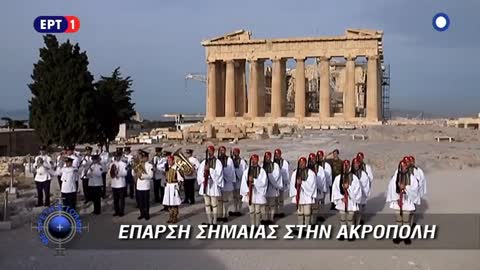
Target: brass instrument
x: 113, y: 171
x: 138, y: 167
x: 183, y: 164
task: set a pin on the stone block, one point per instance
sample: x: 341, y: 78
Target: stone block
x: 325, y: 127
x: 175, y: 135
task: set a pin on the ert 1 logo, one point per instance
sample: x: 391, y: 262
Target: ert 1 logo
x: 56, y: 24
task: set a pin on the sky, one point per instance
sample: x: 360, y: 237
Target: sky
x: 158, y: 42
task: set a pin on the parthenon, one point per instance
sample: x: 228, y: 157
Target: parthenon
x: 235, y: 94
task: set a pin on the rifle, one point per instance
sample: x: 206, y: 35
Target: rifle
x: 266, y: 171
x: 297, y: 186
x: 250, y: 185
x: 206, y: 173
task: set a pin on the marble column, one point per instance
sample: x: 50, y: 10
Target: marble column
x: 324, y: 99
x: 276, y: 103
x: 253, y: 89
x: 212, y: 92
x: 349, y: 102
x: 283, y: 92
x: 240, y: 90
x: 300, y: 88
x: 372, y: 89
x: 220, y: 88
x: 230, y: 89
x: 261, y: 87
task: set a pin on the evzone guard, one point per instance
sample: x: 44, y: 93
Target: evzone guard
x: 142, y: 171
x: 228, y: 183
x: 118, y: 172
x: 274, y: 184
x: 321, y: 185
x: 365, y: 185
x: 346, y: 195
x: 402, y: 196
x: 418, y: 172
x: 210, y: 180
x: 327, y: 169
x: 253, y: 190
x: 284, y: 169
x: 366, y: 189
x: 303, y: 191
x: 240, y: 165
x: 171, y: 198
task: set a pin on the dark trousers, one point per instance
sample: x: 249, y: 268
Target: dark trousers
x: 189, y: 185
x: 70, y: 199
x: 158, y: 190
x: 43, y: 187
x: 104, y: 188
x: 95, y: 194
x: 119, y: 200
x: 59, y: 178
x: 143, y: 199
x: 86, y: 190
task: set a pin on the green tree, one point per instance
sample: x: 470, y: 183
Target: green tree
x: 114, y: 105
x: 63, y: 96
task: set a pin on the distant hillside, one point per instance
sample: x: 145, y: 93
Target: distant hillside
x: 15, y: 114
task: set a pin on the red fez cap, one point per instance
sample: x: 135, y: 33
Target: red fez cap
x: 320, y: 153
x: 236, y: 150
x: 304, y: 159
x: 361, y: 155
x: 356, y: 160
x: 403, y: 163
x: 223, y: 147
x: 211, y: 148
x: 254, y: 157
x: 278, y: 151
x: 268, y: 154
x: 346, y: 163
x: 412, y: 158
x: 312, y: 156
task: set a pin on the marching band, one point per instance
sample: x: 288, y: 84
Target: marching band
x: 228, y: 181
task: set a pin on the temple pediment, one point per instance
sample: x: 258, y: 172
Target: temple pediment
x: 239, y: 35
x: 363, y: 32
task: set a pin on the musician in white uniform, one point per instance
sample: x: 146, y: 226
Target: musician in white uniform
x: 327, y: 169
x: 69, y: 176
x: 210, y: 179
x: 86, y: 161
x: 159, y: 162
x: 303, y: 191
x: 321, y: 185
x: 172, y: 199
x: 284, y: 168
x: 143, y: 185
x: 128, y: 159
x: 228, y: 183
x: 402, y: 196
x: 346, y: 195
x: 240, y: 165
x: 254, y: 189
x: 365, y: 185
x: 104, y: 161
x: 274, y: 185
x: 43, y: 176
x: 191, y: 180
x: 95, y: 183
x: 118, y: 172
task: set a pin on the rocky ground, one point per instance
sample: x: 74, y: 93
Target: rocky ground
x: 448, y: 167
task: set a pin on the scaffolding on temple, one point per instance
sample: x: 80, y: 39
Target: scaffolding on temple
x: 386, y: 91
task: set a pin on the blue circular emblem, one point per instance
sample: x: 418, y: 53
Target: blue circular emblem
x: 441, y: 22
x: 59, y: 227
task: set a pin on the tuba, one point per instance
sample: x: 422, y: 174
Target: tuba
x: 183, y: 164
x: 138, y: 167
